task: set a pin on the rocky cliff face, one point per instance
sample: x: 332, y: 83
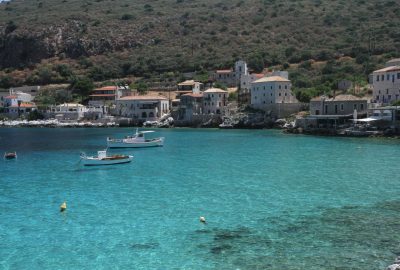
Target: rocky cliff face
x: 21, y: 48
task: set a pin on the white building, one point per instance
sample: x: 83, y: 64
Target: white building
x: 386, y: 84
x: 18, y: 103
x: 231, y: 77
x: 68, y: 111
x: 215, y: 101
x: 271, y: 90
x: 244, y: 95
x: 142, y: 108
x: 32, y: 90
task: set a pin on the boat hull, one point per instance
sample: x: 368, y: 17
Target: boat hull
x: 102, y: 162
x: 132, y: 144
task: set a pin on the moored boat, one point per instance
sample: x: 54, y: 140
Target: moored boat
x: 135, y: 141
x: 10, y: 155
x: 103, y: 159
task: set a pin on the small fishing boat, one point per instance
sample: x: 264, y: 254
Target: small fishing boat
x: 10, y: 155
x: 135, y: 141
x: 103, y: 159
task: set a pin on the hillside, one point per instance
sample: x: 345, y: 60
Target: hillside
x: 48, y: 40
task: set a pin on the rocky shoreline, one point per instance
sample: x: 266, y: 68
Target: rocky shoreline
x: 55, y: 124
x: 395, y: 265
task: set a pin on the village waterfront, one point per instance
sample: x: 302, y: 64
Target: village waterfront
x: 271, y: 201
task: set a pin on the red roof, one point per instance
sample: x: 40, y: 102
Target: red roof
x: 106, y: 88
x: 258, y: 75
x: 25, y: 105
x: 102, y: 95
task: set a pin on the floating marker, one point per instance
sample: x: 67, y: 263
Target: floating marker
x: 202, y: 220
x: 63, y: 207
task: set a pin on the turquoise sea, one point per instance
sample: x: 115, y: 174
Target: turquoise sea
x: 271, y: 200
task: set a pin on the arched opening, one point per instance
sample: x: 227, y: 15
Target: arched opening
x: 144, y: 115
x: 151, y: 114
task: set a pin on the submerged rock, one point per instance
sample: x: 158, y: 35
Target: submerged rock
x: 393, y: 267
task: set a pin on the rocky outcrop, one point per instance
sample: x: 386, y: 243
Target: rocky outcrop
x: 24, y: 47
x: 247, y: 120
x: 395, y: 265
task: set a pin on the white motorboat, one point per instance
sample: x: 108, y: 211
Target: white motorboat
x: 135, y: 141
x: 10, y: 155
x: 103, y: 159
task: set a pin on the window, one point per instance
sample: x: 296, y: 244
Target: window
x: 280, y: 86
x: 219, y: 104
x: 398, y: 75
x: 355, y: 106
x: 264, y: 102
x: 387, y: 91
x: 264, y: 87
x: 387, y: 77
x: 279, y: 94
x: 326, y: 109
x: 212, y: 95
x: 379, y: 91
x: 382, y: 77
x: 271, y: 87
x: 219, y: 95
x: 285, y: 94
x: 144, y: 115
x: 285, y: 86
x: 389, y: 97
x: 336, y: 108
x: 361, y: 106
x: 342, y: 107
x: 271, y: 94
x: 264, y: 94
x: 377, y: 97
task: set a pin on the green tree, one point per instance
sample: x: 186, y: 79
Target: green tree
x: 10, y: 27
x: 82, y: 86
x: 256, y: 62
x: 35, y: 115
x: 141, y: 87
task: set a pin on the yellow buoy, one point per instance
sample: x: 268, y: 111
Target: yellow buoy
x: 63, y: 207
x: 202, y: 220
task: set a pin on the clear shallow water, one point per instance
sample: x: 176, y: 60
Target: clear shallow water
x: 272, y: 201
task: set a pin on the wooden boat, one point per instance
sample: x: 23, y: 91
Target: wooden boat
x: 103, y: 159
x: 135, y: 141
x: 10, y: 155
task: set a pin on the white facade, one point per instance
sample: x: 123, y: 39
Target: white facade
x: 142, y: 108
x: 232, y: 77
x: 74, y: 111
x: 271, y: 90
x: 386, y: 85
x: 15, y: 97
x: 215, y: 101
